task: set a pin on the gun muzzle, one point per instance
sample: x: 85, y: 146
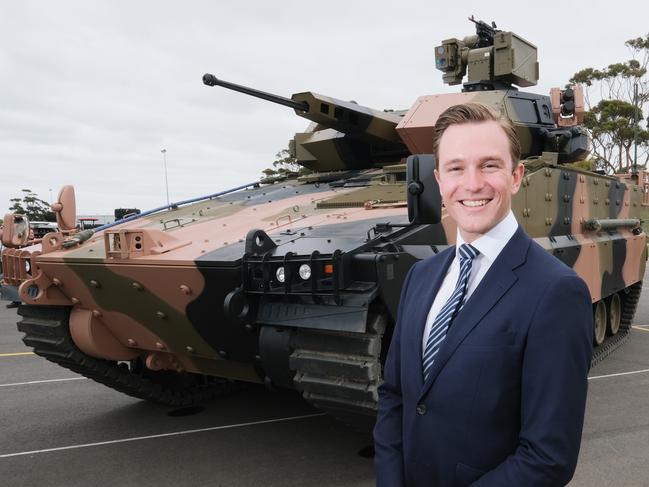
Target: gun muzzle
x: 210, y: 79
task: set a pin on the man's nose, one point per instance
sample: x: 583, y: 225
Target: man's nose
x: 473, y: 180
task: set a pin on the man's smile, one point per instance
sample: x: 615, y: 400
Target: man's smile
x: 474, y: 203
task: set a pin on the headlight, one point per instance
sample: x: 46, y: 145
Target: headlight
x: 28, y: 267
x: 280, y: 274
x: 305, y: 271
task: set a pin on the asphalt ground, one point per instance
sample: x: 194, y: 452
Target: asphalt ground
x: 59, y: 429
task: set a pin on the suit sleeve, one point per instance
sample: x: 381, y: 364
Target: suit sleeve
x: 554, y: 383
x: 388, y: 456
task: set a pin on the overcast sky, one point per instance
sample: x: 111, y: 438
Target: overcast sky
x: 92, y: 91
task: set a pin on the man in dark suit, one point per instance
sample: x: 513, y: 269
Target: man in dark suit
x: 485, y: 381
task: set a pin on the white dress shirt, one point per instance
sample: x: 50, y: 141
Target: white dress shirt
x: 490, y: 245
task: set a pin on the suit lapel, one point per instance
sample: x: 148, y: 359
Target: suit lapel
x: 420, y: 314
x: 495, y: 283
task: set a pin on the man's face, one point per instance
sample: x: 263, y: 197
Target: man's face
x: 475, y: 176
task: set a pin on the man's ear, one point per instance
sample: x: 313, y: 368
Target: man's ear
x: 517, y: 177
x: 436, y: 173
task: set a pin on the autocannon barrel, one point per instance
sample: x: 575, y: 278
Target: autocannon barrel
x: 211, y: 80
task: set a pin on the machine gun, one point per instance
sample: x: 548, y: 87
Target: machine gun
x: 485, y: 32
x: 344, y: 135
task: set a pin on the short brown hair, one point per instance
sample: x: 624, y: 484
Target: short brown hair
x: 475, y: 113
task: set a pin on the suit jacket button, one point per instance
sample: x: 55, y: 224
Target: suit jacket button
x: 421, y: 409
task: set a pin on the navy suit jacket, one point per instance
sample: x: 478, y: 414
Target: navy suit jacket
x: 504, y: 402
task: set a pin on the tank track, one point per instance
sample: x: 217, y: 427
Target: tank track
x: 630, y: 298
x: 47, y: 332
x: 340, y: 372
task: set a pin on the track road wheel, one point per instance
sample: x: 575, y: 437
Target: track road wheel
x: 613, y: 313
x: 599, y: 311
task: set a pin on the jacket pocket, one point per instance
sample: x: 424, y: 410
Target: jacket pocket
x: 465, y: 475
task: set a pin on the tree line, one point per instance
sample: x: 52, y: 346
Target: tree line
x: 616, y: 97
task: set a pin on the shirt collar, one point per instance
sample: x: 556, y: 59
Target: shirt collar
x: 492, y: 243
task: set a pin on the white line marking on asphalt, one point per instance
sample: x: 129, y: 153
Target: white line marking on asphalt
x: 41, y: 381
x: 162, y: 435
x: 641, y: 327
x: 618, y: 374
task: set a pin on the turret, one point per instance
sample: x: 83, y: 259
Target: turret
x: 344, y: 135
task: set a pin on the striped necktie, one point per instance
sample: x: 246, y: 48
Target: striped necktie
x: 451, y: 308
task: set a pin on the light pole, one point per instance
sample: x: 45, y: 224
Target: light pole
x: 164, y: 159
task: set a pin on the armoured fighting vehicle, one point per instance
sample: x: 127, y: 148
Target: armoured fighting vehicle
x: 295, y: 283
